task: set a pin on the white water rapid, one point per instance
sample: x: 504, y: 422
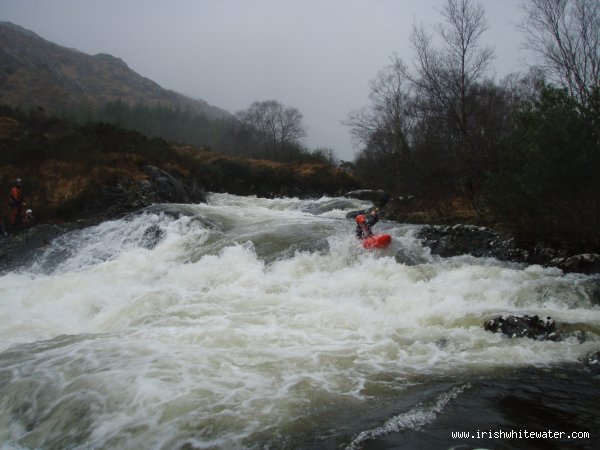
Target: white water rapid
x: 252, y: 323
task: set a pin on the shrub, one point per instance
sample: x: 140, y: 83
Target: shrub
x: 548, y: 187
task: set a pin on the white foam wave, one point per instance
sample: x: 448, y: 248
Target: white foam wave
x: 411, y: 420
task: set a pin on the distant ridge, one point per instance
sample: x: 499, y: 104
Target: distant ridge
x: 35, y: 72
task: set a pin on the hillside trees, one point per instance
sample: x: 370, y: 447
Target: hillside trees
x: 173, y: 124
x: 525, y: 151
x: 547, y: 186
x: 266, y: 130
x: 565, y: 34
x: 270, y: 130
x: 447, y: 80
x: 428, y: 123
x: 384, y: 130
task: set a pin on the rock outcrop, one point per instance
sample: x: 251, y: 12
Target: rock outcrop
x: 172, y: 190
x: 19, y: 248
x: 379, y: 197
x: 593, y: 363
x: 448, y: 241
x: 532, y: 327
x: 127, y: 195
x: 584, y: 263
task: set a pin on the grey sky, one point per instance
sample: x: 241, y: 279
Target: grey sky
x: 315, y: 55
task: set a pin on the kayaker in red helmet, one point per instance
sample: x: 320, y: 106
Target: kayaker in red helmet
x: 364, y: 222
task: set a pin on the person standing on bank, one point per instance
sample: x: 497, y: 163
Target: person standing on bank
x: 15, y: 201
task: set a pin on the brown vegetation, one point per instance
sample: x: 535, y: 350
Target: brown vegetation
x: 69, y: 169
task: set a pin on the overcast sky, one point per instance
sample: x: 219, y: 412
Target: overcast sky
x: 315, y: 55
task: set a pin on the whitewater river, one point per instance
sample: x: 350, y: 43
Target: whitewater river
x: 263, y: 324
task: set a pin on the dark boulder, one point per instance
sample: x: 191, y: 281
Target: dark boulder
x: 20, y: 248
x: 584, y: 263
x: 449, y: 241
x: 169, y: 188
x: 593, y: 363
x: 378, y: 196
x: 129, y: 194
x: 532, y: 327
x: 353, y: 214
x: 152, y: 236
x: 124, y: 196
x: 195, y: 192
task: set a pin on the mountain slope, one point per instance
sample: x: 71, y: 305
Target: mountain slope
x: 37, y: 73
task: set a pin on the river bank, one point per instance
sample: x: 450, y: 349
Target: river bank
x: 129, y: 196
x: 448, y: 241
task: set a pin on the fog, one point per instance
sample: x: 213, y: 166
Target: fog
x: 317, y: 56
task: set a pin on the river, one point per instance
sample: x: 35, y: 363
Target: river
x: 263, y: 324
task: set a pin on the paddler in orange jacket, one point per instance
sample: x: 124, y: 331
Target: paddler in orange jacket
x: 364, y: 222
x: 15, y: 200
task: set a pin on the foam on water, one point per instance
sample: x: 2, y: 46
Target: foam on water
x: 413, y: 419
x: 249, y: 318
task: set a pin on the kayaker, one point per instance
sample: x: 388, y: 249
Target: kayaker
x: 364, y: 222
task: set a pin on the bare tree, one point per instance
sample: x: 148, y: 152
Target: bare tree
x: 445, y: 75
x: 566, y: 34
x: 447, y: 78
x: 431, y: 126
x: 384, y: 128
x: 390, y: 111
x: 274, y: 125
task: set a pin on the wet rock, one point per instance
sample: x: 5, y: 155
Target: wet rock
x: 584, y: 263
x: 593, y: 363
x: 152, y: 237
x: 169, y: 188
x: 579, y: 335
x: 20, y: 248
x: 353, y: 214
x: 374, y: 195
x: 532, y: 327
x: 127, y: 195
x: 449, y: 241
x: 409, y: 258
x: 379, y: 197
x: 441, y: 343
x: 195, y: 192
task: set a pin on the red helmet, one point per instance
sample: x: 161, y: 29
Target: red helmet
x: 361, y: 219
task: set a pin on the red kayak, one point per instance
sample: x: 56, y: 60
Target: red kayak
x: 377, y: 241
